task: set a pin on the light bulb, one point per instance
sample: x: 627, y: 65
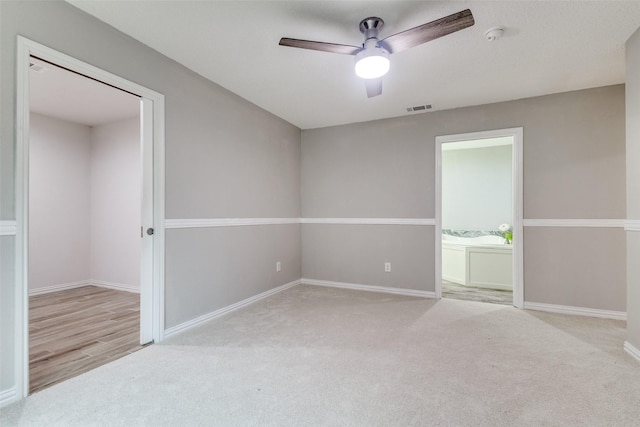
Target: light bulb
x: 372, y: 63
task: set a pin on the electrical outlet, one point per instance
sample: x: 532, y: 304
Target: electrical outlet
x: 387, y: 267
x: 278, y: 266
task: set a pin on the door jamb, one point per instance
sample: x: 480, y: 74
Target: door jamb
x: 517, y: 213
x: 26, y: 48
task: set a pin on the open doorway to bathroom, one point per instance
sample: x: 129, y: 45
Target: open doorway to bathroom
x: 477, y: 260
x: 479, y: 217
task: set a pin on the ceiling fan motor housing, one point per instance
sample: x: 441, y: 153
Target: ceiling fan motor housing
x: 372, y: 61
x: 370, y: 27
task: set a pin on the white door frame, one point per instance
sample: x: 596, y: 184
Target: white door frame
x: 517, y: 170
x: 152, y: 136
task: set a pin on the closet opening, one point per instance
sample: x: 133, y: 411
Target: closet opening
x: 84, y: 222
x: 89, y: 189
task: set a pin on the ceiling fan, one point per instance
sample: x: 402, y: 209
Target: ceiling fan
x: 372, y: 58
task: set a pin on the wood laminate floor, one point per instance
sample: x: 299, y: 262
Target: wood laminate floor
x: 76, y: 330
x: 470, y: 293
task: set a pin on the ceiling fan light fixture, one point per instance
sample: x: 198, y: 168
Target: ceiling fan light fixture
x: 372, y: 63
x: 372, y: 58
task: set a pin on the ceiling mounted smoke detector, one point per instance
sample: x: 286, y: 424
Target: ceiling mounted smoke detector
x: 493, y: 34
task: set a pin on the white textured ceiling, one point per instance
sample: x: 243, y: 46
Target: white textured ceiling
x: 548, y: 47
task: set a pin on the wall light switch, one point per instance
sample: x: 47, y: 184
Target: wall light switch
x: 387, y: 267
x: 278, y: 266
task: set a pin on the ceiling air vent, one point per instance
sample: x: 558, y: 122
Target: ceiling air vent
x: 419, y: 108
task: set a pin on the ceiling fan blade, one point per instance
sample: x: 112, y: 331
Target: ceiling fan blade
x: 374, y: 87
x: 321, y: 46
x: 429, y: 31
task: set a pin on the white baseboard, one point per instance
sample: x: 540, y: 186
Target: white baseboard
x: 59, y: 287
x: 116, y: 286
x: 74, y: 285
x: 633, y: 351
x: 220, y: 312
x: 579, y: 311
x: 8, y: 396
x: 370, y: 288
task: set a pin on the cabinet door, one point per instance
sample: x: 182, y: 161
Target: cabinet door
x: 490, y: 268
x: 453, y: 264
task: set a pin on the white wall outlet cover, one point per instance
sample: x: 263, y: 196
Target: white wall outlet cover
x: 387, y: 267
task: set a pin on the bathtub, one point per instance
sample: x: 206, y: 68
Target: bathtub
x: 483, y: 261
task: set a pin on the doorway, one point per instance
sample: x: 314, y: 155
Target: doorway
x: 84, y: 222
x: 149, y: 186
x: 479, y: 216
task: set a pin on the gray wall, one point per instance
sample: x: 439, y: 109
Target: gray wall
x: 115, y: 203
x: 381, y: 169
x: 579, y: 267
x: 477, y: 188
x: 225, y: 157
x: 633, y: 187
x: 357, y: 254
x: 59, y: 202
x: 7, y: 304
x: 226, y: 264
x: 84, y: 203
x: 574, y: 168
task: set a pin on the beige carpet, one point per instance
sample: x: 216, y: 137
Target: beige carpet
x: 313, y: 356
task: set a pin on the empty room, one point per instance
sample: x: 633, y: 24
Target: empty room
x: 345, y: 213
